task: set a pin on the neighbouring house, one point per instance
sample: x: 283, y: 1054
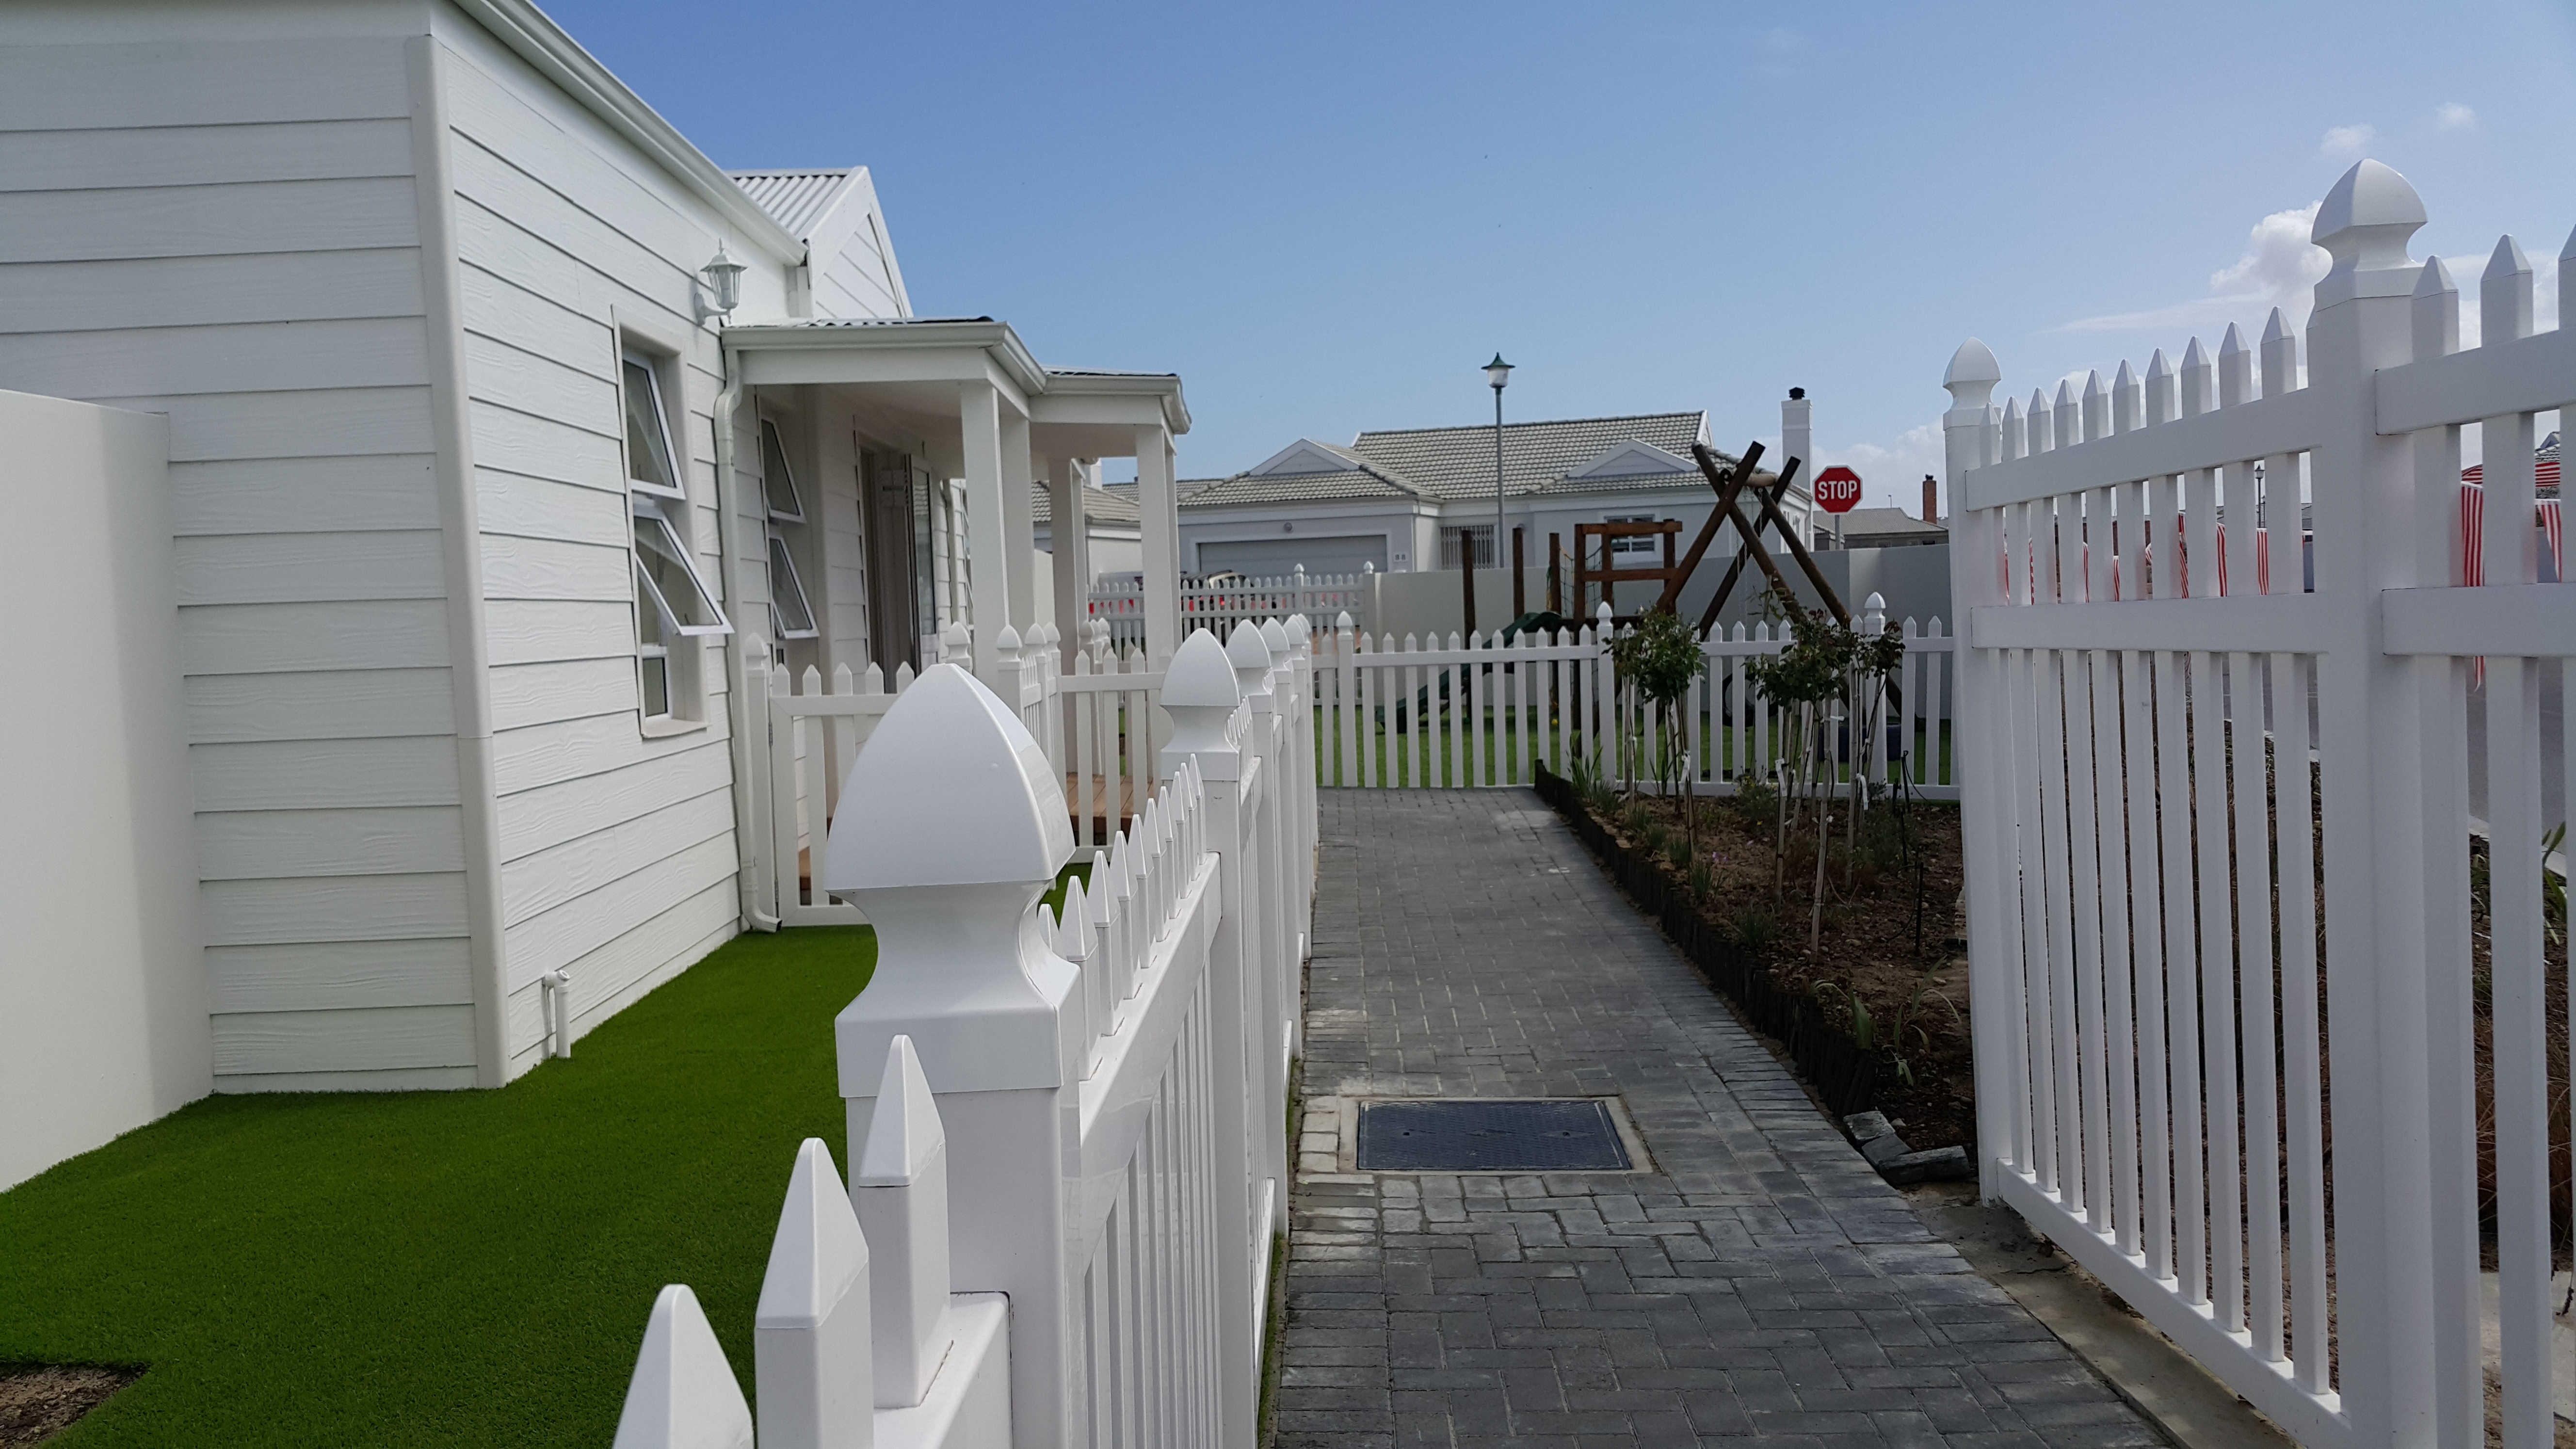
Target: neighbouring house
x: 1878, y: 528
x: 1402, y: 500
x: 1112, y: 542
x: 502, y: 427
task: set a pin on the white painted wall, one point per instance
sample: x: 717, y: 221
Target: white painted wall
x: 216, y: 221
x: 616, y: 844
x: 102, y: 987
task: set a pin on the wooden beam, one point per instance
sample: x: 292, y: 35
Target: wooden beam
x: 1672, y: 599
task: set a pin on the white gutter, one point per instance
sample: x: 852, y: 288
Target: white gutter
x: 747, y: 787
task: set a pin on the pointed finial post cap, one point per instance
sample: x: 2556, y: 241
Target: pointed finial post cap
x: 980, y: 803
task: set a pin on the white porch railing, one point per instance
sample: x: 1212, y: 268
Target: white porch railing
x: 1219, y: 607
x: 1483, y: 711
x: 2157, y: 877
x: 1078, y: 1115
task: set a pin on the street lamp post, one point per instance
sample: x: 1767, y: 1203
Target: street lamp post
x: 1498, y: 373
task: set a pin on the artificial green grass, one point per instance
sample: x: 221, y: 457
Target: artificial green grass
x: 440, y: 1267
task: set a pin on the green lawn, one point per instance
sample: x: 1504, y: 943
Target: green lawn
x: 440, y: 1267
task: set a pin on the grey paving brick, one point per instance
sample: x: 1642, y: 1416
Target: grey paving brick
x: 1762, y: 1281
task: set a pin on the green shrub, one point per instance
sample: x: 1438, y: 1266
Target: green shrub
x: 1754, y: 927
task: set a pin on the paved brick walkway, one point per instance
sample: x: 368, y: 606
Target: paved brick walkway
x: 1762, y: 1282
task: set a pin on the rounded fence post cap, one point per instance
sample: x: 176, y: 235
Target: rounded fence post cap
x: 1274, y: 634
x: 1972, y: 367
x: 950, y: 789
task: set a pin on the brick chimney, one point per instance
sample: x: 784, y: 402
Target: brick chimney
x: 1931, y: 499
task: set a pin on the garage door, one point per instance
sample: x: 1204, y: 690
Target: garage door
x: 1264, y: 558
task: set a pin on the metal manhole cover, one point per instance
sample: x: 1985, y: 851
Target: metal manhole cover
x: 1562, y: 1136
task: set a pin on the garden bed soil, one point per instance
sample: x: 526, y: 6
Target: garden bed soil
x: 40, y: 1400
x: 1748, y: 935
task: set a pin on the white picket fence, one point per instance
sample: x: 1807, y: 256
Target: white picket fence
x: 1098, y: 726
x: 1220, y: 607
x: 2152, y: 873
x: 1484, y: 711
x: 1068, y: 1131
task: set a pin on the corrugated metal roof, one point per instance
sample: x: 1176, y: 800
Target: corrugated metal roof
x: 797, y: 199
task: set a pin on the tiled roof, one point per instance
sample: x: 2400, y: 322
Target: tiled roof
x: 1459, y: 462
x: 1288, y: 488
x: 797, y: 199
x: 1441, y: 465
x: 1100, y: 505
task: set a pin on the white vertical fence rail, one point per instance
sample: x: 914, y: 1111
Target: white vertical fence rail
x: 2207, y: 797
x: 1078, y: 1114
x: 1484, y: 711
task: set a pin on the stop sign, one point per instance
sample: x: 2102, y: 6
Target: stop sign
x: 1837, y: 489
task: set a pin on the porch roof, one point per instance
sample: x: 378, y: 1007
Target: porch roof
x: 914, y: 363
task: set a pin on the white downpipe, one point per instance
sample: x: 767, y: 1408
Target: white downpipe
x: 747, y: 791
x: 557, y: 1001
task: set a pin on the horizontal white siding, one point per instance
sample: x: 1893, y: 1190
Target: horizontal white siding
x: 226, y: 233
x: 618, y: 847
x: 854, y: 283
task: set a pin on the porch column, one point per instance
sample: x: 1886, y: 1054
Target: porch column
x: 1158, y: 520
x: 988, y: 543
x: 1070, y: 537
x: 1019, y: 521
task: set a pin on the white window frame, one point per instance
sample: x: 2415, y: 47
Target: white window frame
x: 769, y: 432
x: 648, y: 515
x: 678, y: 489
x: 780, y: 553
x: 1646, y: 543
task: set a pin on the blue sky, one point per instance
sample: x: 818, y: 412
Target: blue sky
x: 1326, y: 216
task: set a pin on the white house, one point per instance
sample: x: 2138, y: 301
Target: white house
x: 479, y: 489
x: 1400, y: 500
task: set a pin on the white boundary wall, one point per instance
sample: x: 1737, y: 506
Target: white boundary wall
x: 2154, y: 1088
x: 102, y: 984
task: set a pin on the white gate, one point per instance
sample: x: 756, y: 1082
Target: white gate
x: 2203, y: 792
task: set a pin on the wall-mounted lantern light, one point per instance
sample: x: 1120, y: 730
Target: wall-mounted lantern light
x: 724, y: 280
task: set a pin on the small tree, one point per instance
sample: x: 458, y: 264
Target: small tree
x: 1825, y: 662
x: 1659, y: 658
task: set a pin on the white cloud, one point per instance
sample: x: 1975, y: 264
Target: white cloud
x: 2452, y: 116
x: 2280, y: 264
x: 2344, y: 141
x: 1892, y: 472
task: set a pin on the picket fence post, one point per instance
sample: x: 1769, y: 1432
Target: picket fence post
x: 949, y: 832
x: 1209, y: 723
x: 1249, y: 654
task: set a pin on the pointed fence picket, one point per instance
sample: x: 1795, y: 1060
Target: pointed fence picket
x: 2220, y: 816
